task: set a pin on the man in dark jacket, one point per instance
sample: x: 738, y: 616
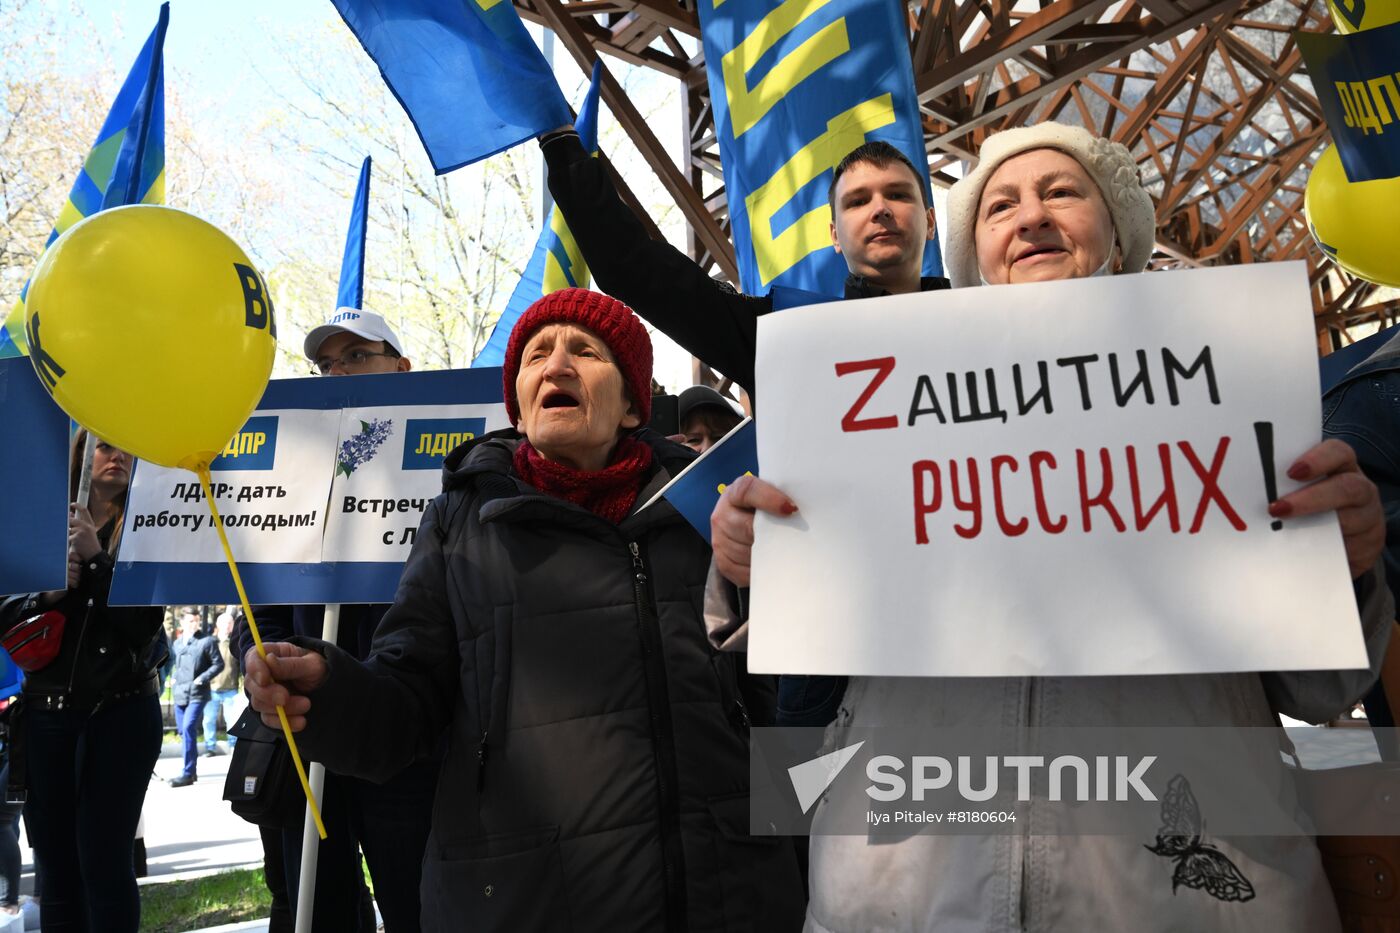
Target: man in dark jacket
x: 880, y: 223
x: 389, y: 820
x: 197, y: 661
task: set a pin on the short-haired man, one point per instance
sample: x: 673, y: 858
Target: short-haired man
x: 197, y: 662
x: 354, y: 342
x: 880, y: 222
x: 389, y: 821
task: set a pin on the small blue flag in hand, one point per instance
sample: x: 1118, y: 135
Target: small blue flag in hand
x: 696, y: 490
x: 467, y: 73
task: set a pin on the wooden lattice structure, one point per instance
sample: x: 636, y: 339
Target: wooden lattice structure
x: 1211, y: 96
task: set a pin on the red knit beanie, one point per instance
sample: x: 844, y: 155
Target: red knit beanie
x: 607, y: 317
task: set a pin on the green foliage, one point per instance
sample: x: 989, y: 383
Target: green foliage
x: 228, y: 897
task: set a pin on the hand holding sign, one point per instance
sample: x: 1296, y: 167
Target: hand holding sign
x: 1071, y: 478
x: 1342, y: 488
x: 731, y: 525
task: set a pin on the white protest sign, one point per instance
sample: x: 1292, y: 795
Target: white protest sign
x: 1068, y: 478
x: 269, y: 485
x: 321, y: 492
x: 378, y: 501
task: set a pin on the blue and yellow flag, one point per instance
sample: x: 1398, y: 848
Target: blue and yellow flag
x: 126, y: 164
x: 352, y: 265
x: 466, y: 72
x: 1356, y: 81
x: 556, y: 262
x: 796, y: 85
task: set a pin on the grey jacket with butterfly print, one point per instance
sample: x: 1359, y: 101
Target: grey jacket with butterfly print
x: 1005, y: 883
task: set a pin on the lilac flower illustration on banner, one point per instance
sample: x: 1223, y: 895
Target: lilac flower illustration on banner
x: 359, y: 449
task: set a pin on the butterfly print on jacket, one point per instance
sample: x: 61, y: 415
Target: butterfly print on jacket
x: 1198, y: 864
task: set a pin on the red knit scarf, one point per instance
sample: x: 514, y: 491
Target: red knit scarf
x: 608, y: 493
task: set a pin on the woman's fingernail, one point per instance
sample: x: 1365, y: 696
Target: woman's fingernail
x: 789, y: 508
x: 1280, y: 509
x: 1299, y: 471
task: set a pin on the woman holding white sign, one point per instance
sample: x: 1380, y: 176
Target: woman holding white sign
x: 597, y: 768
x: 1046, y: 203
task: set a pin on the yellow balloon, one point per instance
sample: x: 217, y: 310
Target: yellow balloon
x: 1354, y: 222
x: 151, y: 328
x: 1356, y: 15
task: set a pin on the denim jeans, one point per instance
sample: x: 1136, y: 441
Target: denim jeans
x: 218, y: 700
x: 87, y: 773
x: 187, y: 722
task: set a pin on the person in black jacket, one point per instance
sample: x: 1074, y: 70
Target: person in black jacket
x: 197, y: 661
x: 596, y: 775
x: 88, y: 730
x: 880, y: 221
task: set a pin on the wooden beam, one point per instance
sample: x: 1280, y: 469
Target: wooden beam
x: 706, y: 228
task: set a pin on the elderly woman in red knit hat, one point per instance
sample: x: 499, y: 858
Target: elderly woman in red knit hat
x: 597, y: 767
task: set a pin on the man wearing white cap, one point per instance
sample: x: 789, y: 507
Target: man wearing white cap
x: 389, y: 821
x: 354, y: 342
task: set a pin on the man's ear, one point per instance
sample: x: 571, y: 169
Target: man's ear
x: 932, y: 224
x: 835, y: 242
x: 404, y: 364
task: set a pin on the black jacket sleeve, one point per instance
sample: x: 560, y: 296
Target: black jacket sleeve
x: 212, y: 662
x: 661, y: 283
x: 274, y: 624
x: 371, y: 719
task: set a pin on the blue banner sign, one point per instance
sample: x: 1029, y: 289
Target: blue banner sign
x: 321, y: 492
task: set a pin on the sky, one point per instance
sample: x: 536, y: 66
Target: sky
x: 225, y: 58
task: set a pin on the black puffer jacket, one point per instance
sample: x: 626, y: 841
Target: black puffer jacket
x: 106, y: 650
x: 597, y: 769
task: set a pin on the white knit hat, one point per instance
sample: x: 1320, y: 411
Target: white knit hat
x: 1108, y: 163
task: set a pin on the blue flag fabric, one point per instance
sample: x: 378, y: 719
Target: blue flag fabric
x: 466, y: 72
x: 796, y: 85
x: 1358, y: 85
x: 125, y: 166
x: 696, y: 491
x: 556, y: 262
x: 34, y: 472
x: 352, y: 266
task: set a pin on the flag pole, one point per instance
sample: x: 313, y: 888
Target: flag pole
x: 310, y: 838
